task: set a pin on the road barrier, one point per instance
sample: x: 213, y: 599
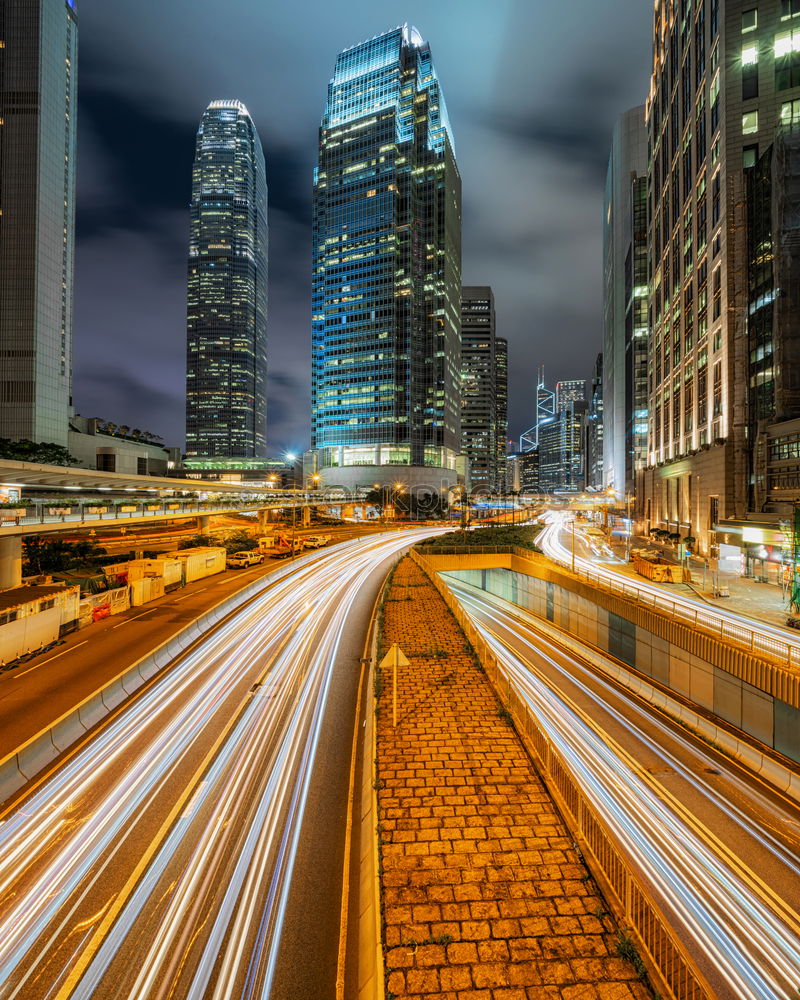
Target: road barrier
x: 673, y: 966
x: 29, y: 759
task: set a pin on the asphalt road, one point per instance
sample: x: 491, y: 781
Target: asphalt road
x: 718, y: 848
x: 193, y: 846
x: 40, y: 690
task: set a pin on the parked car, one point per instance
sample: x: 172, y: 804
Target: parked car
x: 316, y: 541
x: 238, y: 560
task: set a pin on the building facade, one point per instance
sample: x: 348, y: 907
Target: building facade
x: 386, y: 281
x: 38, y: 112
x: 625, y: 299
x: 561, y: 452
x: 226, y: 361
x: 522, y: 472
x: 724, y: 94
x: 593, y: 429
x: 570, y: 391
x: 484, y: 390
x: 545, y: 411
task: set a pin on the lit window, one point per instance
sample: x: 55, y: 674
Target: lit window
x: 749, y: 123
x: 750, y: 54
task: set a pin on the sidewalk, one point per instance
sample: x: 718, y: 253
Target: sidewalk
x: 762, y: 601
x: 484, y: 894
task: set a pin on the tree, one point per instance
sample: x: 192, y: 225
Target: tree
x: 43, y: 452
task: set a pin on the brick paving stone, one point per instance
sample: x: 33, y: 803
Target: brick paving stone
x: 484, y: 896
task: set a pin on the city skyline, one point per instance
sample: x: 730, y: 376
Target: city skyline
x: 533, y: 141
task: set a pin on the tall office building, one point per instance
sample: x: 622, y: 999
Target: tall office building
x: 484, y: 388
x: 561, y: 453
x: 594, y: 429
x: 545, y: 411
x: 625, y: 298
x: 38, y: 109
x: 570, y: 391
x: 226, y: 361
x: 725, y: 92
x: 386, y: 284
x: 501, y: 400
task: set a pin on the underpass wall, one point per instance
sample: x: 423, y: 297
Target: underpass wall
x: 678, y: 658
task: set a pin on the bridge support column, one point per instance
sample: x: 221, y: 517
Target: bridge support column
x: 263, y: 519
x: 10, y: 561
x: 348, y: 511
x: 203, y: 523
x: 305, y: 519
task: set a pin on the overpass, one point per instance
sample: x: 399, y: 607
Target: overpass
x: 86, y: 499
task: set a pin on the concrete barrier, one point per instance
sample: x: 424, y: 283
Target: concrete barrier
x: 24, y: 763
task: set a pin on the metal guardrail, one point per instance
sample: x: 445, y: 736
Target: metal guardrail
x: 675, y: 967
x: 697, y: 618
x: 751, y: 640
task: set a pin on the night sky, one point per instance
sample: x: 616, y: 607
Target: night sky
x: 533, y: 89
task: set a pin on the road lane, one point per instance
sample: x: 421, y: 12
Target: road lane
x: 159, y: 860
x: 719, y: 852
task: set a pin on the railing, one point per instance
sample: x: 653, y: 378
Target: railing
x: 687, y: 612
x: 675, y: 967
x: 51, y: 512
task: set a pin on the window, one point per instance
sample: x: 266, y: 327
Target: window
x: 790, y: 115
x: 749, y: 20
x: 749, y: 156
x: 787, y: 59
x: 789, y: 8
x: 749, y: 122
x: 750, y: 70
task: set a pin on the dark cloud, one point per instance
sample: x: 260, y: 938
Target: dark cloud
x: 533, y: 91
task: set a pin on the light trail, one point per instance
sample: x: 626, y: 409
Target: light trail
x: 768, y: 638
x: 206, y: 915
x: 743, y: 929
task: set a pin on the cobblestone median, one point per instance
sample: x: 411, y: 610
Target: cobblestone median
x: 484, y: 895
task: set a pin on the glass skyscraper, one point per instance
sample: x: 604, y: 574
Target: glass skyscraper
x: 386, y: 284
x: 226, y: 365
x: 38, y: 105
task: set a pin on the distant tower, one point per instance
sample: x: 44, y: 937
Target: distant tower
x: 38, y: 114
x: 545, y: 411
x: 226, y: 366
x: 386, y: 271
x: 479, y: 386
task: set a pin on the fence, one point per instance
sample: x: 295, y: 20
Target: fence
x: 674, y: 966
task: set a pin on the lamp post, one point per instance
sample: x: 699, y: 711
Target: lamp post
x: 572, y: 522
x: 628, y: 526
x: 290, y: 457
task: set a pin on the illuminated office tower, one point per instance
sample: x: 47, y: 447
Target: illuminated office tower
x: 386, y: 282
x: 226, y: 366
x: 38, y: 110
x: 570, y: 391
x: 723, y: 351
x: 501, y: 405
x: 482, y: 394
x: 625, y: 300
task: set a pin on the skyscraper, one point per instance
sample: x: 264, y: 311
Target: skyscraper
x: 625, y: 298
x: 386, y: 284
x: 484, y: 392
x: 570, y: 391
x: 501, y: 400
x: 725, y: 87
x: 593, y: 429
x: 226, y: 363
x: 38, y: 109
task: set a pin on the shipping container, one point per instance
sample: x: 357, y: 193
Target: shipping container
x: 201, y: 562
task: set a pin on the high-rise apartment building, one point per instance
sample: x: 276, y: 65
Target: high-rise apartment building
x: 570, y: 391
x: 625, y: 298
x: 38, y: 111
x: 484, y: 389
x: 723, y: 96
x: 226, y: 365
x: 386, y: 284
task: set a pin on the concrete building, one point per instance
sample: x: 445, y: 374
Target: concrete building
x: 723, y: 178
x: 226, y: 361
x: 38, y: 114
x: 593, y: 429
x: 386, y: 272
x: 625, y: 299
x: 484, y: 390
x: 94, y: 447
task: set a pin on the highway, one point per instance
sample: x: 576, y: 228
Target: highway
x: 719, y: 850
x: 780, y: 642
x: 160, y: 858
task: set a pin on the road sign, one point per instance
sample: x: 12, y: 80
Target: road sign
x: 394, y: 658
